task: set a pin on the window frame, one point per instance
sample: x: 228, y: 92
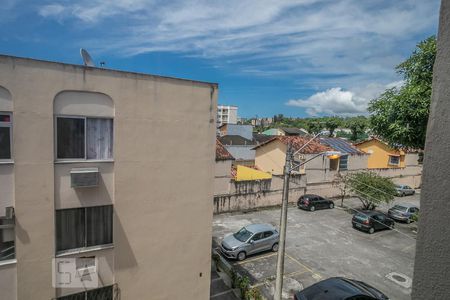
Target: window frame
x: 343, y: 157
x: 394, y: 164
x: 85, y: 159
x: 85, y: 233
x: 10, y: 126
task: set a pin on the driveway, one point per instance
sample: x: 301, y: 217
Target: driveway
x: 323, y: 244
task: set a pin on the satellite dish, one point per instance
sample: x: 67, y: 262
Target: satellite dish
x: 87, y: 59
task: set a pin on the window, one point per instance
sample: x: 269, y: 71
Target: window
x: 257, y: 236
x: 343, y: 161
x: 268, y: 234
x: 84, y: 227
x: 5, y: 136
x: 84, y: 138
x: 7, y: 237
x: 103, y: 293
x: 394, y: 160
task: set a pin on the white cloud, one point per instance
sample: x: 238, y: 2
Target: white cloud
x: 336, y: 101
x: 347, y: 40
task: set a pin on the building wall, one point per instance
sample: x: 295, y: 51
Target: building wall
x: 241, y: 152
x: 271, y: 157
x: 247, y: 174
x: 379, y: 155
x: 147, y: 181
x: 245, y: 131
x: 222, y: 176
x: 432, y: 259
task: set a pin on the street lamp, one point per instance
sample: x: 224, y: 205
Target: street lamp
x: 288, y: 167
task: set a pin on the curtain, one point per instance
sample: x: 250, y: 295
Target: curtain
x: 99, y: 225
x: 70, y: 138
x: 70, y: 229
x: 99, y: 138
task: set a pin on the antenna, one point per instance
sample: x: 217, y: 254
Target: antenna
x: 87, y: 59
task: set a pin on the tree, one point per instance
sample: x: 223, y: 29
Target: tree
x: 342, y: 182
x: 331, y: 123
x: 314, y: 126
x: 400, y: 115
x: 371, y: 189
x: 358, y: 126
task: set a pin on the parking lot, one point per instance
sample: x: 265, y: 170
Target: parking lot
x: 323, y: 244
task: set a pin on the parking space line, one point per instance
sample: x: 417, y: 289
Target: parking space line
x: 299, y: 263
x: 272, y: 277
x: 255, y: 259
x: 408, y: 247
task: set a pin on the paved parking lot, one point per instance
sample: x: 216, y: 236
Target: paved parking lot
x: 323, y: 244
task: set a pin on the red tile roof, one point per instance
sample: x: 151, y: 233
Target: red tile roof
x: 222, y: 153
x: 297, y: 142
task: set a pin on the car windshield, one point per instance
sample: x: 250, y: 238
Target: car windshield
x: 243, y: 235
x: 400, y: 208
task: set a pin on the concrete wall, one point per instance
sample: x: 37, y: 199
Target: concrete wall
x: 248, y: 195
x: 241, y: 152
x: 245, y: 131
x: 432, y: 260
x: 222, y: 176
x: 152, y: 176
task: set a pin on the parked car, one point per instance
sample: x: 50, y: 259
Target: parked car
x: 312, y: 202
x: 403, y: 212
x: 404, y: 190
x: 372, y: 220
x: 340, y: 288
x: 249, y: 240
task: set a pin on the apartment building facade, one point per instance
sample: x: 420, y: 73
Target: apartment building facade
x: 91, y: 168
x: 226, y: 114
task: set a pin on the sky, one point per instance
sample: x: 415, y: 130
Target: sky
x: 299, y: 58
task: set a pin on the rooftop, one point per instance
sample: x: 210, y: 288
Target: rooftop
x: 222, y: 153
x: 236, y: 140
x: 297, y: 142
x: 341, y: 145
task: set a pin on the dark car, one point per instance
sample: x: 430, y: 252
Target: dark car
x: 312, y: 202
x: 339, y: 288
x: 372, y: 220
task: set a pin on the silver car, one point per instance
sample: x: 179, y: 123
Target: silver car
x: 249, y: 240
x: 403, y: 190
x: 403, y: 212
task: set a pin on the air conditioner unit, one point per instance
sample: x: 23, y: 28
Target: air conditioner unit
x: 84, y: 177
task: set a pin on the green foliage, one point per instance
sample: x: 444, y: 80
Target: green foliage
x: 371, y: 189
x: 331, y: 123
x: 357, y: 125
x: 400, y: 115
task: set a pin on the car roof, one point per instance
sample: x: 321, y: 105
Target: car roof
x: 310, y: 195
x: 259, y: 227
x: 370, y: 212
x: 335, y: 288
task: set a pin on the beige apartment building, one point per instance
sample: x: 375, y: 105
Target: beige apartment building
x: 97, y: 164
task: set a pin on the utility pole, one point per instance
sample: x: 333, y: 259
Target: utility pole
x: 283, y: 221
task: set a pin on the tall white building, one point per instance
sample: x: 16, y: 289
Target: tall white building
x: 226, y: 114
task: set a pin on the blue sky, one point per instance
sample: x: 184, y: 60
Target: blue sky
x: 299, y: 58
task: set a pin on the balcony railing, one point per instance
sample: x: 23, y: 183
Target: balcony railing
x: 110, y: 292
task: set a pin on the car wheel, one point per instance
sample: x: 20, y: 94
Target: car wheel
x: 403, y: 194
x: 312, y: 208
x: 331, y: 205
x: 241, y: 255
x: 275, y: 247
x: 408, y: 221
x: 371, y: 230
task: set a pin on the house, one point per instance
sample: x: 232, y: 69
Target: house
x: 352, y: 159
x: 94, y: 173
x: 246, y: 131
x: 270, y: 156
x: 401, y: 165
x: 222, y: 170
x: 383, y: 156
x: 286, y: 131
x: 240, y: 148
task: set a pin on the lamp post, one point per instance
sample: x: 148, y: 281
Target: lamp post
x: 288, y: 167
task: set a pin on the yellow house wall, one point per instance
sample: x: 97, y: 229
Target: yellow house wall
x: 379, y: 158
x: 245, y: 173
x: 271, y: 157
